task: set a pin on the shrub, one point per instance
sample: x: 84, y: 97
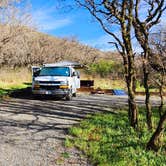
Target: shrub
x: 105, y: 68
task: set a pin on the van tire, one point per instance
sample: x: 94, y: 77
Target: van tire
x: 74, y: 95
x: 69, y: 96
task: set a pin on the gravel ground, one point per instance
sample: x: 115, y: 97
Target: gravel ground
x: 32, y: 132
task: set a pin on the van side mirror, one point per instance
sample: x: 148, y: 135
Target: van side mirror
x: 36, y: 73
x: 74, y: 74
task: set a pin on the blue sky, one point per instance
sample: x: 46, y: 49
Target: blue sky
x: 49, y: 18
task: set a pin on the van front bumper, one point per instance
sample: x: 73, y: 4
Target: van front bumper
x: 56, y: 92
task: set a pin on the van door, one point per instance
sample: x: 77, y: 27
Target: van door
x: 77, y: 79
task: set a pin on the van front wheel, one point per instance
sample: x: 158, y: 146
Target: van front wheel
x: 69, y: 96
x: 74, y: 95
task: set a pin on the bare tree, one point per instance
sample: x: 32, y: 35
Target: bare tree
x: 122, y: 15
x: 153, y: 11
x: 118, y: 14
x: 157, y: 62
x: 13, y: 22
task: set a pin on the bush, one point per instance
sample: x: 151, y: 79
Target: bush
x: 105, y: 68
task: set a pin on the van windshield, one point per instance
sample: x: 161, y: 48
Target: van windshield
x: 55, y: 71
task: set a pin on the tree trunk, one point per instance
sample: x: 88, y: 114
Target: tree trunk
x: 153, y: 143
x: 142, y: 37
x: 134, y: 84
x: 129, y: 54
x: 147, y: 97
x: 132, y: 112
x: 161, y: 92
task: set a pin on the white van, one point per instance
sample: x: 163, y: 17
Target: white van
x: 59, y: 79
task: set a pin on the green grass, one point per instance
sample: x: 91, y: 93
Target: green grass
x: 142, y: 89
x: 108, y: 140
x: 10, y: 89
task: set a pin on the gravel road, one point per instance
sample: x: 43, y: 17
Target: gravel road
x: 32, y: 132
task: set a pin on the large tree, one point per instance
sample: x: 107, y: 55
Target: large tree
x: 142, y: 24
x: 141, y: 15
x: 117, y: 15
x: 157, y: 62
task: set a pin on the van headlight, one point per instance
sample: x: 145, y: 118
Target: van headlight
x: 64, y: 85
x: 36, y: 85
x: 64, y: 82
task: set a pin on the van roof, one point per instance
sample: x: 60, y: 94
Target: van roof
x: 65, y: 63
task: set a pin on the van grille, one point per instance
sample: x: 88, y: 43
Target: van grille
x: 49, y: 87
x: 49, y: 82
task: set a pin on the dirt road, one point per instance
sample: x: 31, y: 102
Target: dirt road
x: 32, y: 132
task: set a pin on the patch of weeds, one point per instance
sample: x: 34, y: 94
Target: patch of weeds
x: 59, y: 161
x: 65, y: 155
x: 68, y: 143
x: 3, y: 92
x: 108, y: 140
x: 9, y: 89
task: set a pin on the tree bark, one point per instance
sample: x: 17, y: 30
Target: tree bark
x: 130, y: 79
x: 161, y: 92
x: 153, y: 143
x: 132, y: 112
x: 147, y: 97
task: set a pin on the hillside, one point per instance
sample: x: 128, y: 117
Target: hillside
x: 24, y: 47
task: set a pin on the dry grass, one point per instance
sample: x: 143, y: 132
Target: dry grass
x: 14, y: 78
x: 104, y: 83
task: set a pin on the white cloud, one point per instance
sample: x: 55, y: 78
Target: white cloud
x: 46, y: 20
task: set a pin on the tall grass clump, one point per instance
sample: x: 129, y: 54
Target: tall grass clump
x: 14, y: 78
